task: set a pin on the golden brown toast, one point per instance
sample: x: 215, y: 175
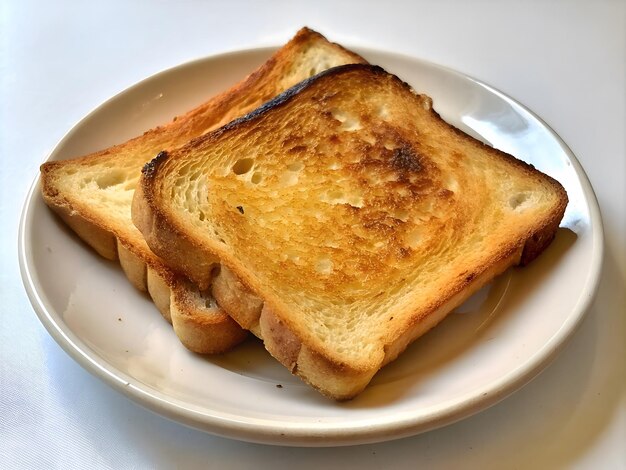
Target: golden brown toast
x: 93, y: 194
x: 348, y: 219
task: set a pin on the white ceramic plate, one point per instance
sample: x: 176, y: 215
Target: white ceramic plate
x: 490, y: 347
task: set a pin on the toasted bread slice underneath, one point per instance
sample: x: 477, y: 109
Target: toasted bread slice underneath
x: 93, y: 194
x: 348, y: 219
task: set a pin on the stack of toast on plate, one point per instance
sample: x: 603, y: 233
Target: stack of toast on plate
x: 321, y: 204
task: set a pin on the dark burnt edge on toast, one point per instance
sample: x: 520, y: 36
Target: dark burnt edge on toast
x: 150, y: 168
x: 285, y: 96
x: 533, y: 246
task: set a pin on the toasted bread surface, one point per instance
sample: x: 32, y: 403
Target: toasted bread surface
x: 348, y: 219
x: 93, y: 194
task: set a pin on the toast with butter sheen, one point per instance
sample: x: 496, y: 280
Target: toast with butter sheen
x: 93, y: 194
x: 348, y: 219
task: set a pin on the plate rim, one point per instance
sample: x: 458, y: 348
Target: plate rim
x: 323, y: 433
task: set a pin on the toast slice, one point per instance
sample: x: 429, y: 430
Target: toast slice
x: 348, y: 219
x: 93, y: 194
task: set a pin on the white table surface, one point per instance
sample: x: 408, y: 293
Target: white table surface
x: 565, y: 60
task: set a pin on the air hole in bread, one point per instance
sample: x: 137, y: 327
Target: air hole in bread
x: 339, y: 115
x: 296, y: 166
x: 518, y: 200
x: 382, y: 112
x: 324, y: 266
x: 413, y: 238
x: 378, y: 244
x: 355, y: 200
x: 428, y: 207
x: 348, y: 123
x: 293, y: 257
x: 403, y: 192
x: 401, y: 214
x: 210, y: 302
x: 321, y: 64
x: 451, y: 184
x: 374, y: 179
x: 257, y: 177
x: 110, y: 179
x: 351, y: 125
x: 243, y: 166
x: 336, y: 196
x: 289, y: 178
x: 368, y: 139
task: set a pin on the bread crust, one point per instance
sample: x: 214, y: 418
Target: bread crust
x: 209, y: 333
x: 162, y: 238
x: 101, y: 240
x: 135, y: 269
x: 242, y: 305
